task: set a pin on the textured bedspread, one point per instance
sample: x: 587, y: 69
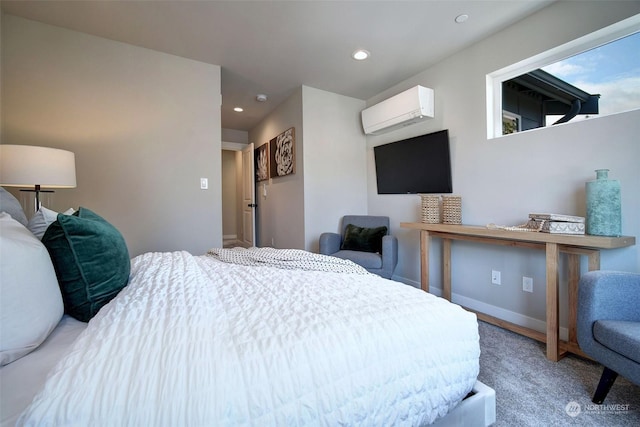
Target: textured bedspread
x: 196, y: 342
x: 288, y: 259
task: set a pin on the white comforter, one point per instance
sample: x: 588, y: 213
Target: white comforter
x: 196, y: 342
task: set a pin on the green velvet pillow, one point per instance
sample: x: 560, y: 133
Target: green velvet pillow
x: 91, y: 261
x: 363, y: 239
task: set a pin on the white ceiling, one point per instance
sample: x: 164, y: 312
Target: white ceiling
x: 273, y: 47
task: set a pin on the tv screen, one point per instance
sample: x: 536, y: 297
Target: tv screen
x: 416, y: 165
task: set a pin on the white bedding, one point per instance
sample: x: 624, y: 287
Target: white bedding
x: 22, y: 379
x: 194, y: 341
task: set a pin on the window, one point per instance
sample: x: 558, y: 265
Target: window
x: 594, y: 76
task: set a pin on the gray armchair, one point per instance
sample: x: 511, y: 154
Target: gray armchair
x: 382, y: 262
x: 609, y: 325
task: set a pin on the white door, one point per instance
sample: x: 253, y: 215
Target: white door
x: 248, y: 198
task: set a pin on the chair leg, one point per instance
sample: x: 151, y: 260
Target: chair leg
x: 606, y: 381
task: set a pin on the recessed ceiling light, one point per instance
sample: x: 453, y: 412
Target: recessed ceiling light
x: 461, y: 18
x: 360, y: 55
x: 238, y: 109
x: 261, y: 97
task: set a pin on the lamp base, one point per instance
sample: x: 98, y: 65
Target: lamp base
x: 32, y: 200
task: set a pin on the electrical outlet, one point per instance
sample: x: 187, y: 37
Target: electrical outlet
x: 527, y: 284
x: 495, y: 277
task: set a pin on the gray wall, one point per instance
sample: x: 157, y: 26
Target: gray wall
x: 280, y: 214
x: 330, y: 178
x: 503, y: 180
x: 233, y: 135
x: 335, y: 163
x: 144, y: 126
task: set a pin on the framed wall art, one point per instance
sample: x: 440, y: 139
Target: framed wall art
x: 283, y: 154
x: 262, y: 162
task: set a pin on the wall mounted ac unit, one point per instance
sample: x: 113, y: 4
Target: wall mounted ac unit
x: 408, y: 107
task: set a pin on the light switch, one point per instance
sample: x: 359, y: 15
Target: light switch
x: 204, y: 183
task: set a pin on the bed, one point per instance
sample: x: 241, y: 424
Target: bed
x: 252, y: 338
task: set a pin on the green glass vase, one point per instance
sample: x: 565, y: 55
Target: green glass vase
x: 604, y: 209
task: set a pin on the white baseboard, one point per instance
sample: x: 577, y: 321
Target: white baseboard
x: 491, y: 310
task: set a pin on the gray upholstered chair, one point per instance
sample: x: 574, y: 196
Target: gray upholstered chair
x: 609, y: 325
x: 381, y: 261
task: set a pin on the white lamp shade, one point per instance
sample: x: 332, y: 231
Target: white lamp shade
x: 27, y: 166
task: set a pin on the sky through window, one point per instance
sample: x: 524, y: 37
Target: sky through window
x: 611, y: 70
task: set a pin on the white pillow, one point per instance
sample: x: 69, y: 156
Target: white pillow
x: 30, y: 299
x: 42, y: 219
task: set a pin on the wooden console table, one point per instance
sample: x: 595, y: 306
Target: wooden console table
x: 553, y: 244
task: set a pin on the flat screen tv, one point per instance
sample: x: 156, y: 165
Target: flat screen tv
x: 421, y: 164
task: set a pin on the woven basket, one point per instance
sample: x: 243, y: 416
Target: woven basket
x: 452, y: 209
x: 430, y: 209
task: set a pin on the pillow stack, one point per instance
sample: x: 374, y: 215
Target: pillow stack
x: 81, y: 263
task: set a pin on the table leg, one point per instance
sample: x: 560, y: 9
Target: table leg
x: 424, y: 260
x: 594, y: 260
x: 446, y: 269
x: 552, y: 255
x: 574, y: 277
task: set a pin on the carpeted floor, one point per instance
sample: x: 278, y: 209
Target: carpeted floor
x: 533, y: 391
